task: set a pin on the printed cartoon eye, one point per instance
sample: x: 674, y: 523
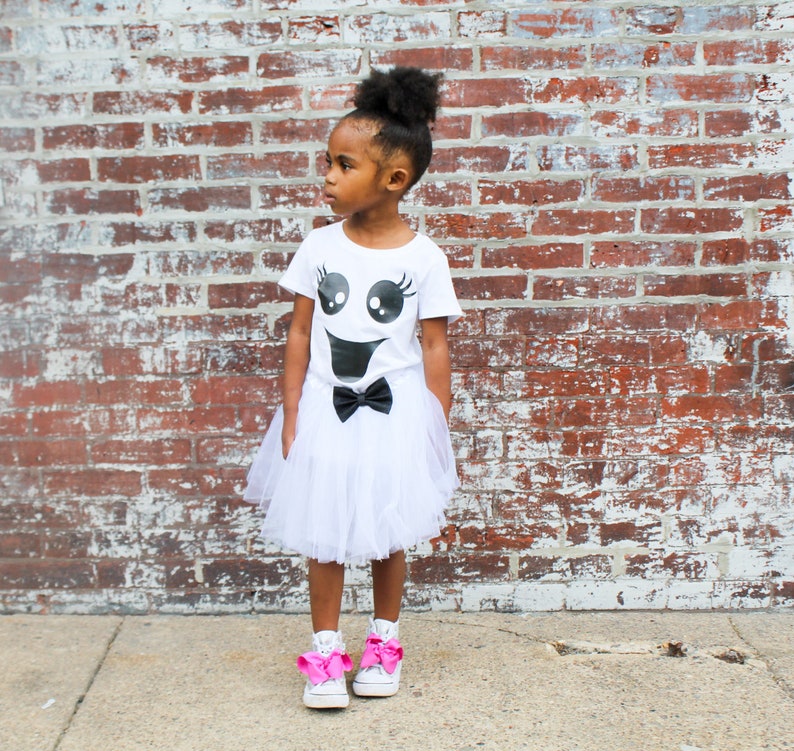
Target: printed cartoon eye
x: 333, y: 290
x: 385, y: 299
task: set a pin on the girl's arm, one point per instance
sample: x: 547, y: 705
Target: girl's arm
x: 296, y: 361
x: 435, y: 354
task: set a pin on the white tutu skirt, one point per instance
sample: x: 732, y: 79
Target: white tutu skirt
x: 361, y: 489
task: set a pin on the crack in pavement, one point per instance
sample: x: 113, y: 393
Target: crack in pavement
x: 90, y: 683
x: 779, y: 680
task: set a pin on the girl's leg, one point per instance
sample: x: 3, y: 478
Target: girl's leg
x: 326, y: 581
x: 388, y: 580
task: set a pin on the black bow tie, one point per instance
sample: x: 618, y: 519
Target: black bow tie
x: 377, y: 397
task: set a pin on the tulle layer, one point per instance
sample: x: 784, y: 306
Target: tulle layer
x: 362, y: 489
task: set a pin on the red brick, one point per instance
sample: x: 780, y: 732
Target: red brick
x: 314, y: 29
x: 47, y: 394
x: 591, y: 287
x: 287, y: 64
x: 673, y: 122
x: 529, y: 192
x: 47, y: 574
x: 132, y: 233
x: 602, y: 349
x: 630, y: 189
x: 643, y: 318
x: 562, y: 383
x: 555, y: 23
x: 527, y: 124
x: 452, y: 126
x: 548, y: 256
x: 293, y: 131
x: 492, y: 288
x: 142, y: 102
x: 254, y: 230
x: 443, y: 58
x: 713, y: 285
x: 231, y: 35
x: 331, y: 97
x: 719, y: 88
x: 237, y: 390
x: 141, y: 451
x: 700, y: 156
x: 704, y: 408
x: 200, y: 199
x: 26, y: 105
x: 142, y: 169
x: 17, y: 140
x: 64, y: 170
x: 633, y: 380
x: 500, y: 322
x: 776, y: 218
x: 748, y: 52
x: 222, y: 134
x: 629, y: 254
x: 582, y: 221
x: 739, y: 315
x: 273, y: 165
x: 582, y: 90
x: 76, y: 201
x: 237, y: 101
x: 46, y: 453
x: 443, y: 194
x: 92, y: 482
x: 634, y: 55
x: 735, y: 251
x: 727, y: 123
x: 484, y: 226
x: 487, y: 353
x: 521, y: 58
x: 245, y: 294
x: 474, y: 160
x: 676, y: 221
x: 483, y: 92
x: 103, y: 136
x: 162, y: 391
x: 197, y: 69
x: 747, y: 188
x: 20, y: 545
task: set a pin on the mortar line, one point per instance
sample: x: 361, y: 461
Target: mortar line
x: 779, y: 680
x: 92, y: 678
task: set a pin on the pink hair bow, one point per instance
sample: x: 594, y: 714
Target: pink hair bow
x: 320, y: 669
x: 387, y: 654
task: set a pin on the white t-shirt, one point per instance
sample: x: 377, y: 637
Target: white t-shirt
x: 367, y: 303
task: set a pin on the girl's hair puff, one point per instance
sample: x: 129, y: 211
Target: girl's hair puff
x: 402, y: 102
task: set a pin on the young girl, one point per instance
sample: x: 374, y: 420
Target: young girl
x: 357, y: 464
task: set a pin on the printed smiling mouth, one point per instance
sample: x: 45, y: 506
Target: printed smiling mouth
x: 350, y: 360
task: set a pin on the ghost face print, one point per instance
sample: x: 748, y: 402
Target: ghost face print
x: 365, y: 310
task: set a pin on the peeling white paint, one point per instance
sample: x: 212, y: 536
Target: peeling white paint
x: 781, y: 287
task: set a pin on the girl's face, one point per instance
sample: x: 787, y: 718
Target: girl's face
x: 355, y: 182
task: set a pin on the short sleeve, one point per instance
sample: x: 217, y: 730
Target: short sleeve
x: 437, y: 295
x: 299, y: 277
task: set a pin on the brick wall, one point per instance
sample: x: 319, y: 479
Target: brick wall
x: 610, y: 184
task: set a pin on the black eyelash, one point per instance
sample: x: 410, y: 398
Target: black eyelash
x: 321, y: 274
x: 404, y: 286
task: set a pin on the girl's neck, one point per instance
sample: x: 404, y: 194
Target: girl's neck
x: 380, y: 232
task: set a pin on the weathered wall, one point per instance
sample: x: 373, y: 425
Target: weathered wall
x: 610, y: 182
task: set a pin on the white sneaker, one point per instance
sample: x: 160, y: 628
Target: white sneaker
x: 325, y: 669
x: 381, y: 662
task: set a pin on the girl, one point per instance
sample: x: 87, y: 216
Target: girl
x: 357, y: 463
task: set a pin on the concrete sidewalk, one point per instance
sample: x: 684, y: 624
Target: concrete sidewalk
x: 551, y: 682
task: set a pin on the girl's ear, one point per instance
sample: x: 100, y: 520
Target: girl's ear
x: 398, y: 179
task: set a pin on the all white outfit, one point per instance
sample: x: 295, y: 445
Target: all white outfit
x: 362, y: 482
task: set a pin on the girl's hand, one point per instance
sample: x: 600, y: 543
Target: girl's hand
x: 287, y: 437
